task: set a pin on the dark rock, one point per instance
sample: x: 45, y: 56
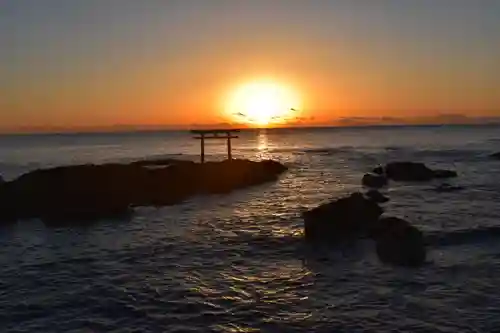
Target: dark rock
x: 374, y: 181
x: 376, y: 196
x: 7, y: 205
x: 379, y: 170
x: 495, y: 156
x: 408, y: 171
x: 1, y: 180
x: 399, y: 243
x: 386, y: 224
x: 90, y: 192
x: 341, y: 220
x: 416, y: 172
x: 441, y: 174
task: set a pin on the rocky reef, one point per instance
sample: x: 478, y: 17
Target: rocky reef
x: 71, y: 194
x: 359, y: 215
x: 356, y: 216
x: 403, y: 172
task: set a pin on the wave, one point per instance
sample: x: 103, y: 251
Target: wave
x: 329, y: 151
x: 318, y: 150
x: 326, y: 151
x: 451, y: 153
x: 461, y: 237
x: 401, y: 152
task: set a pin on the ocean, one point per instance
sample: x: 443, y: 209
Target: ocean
x: 238, y: 263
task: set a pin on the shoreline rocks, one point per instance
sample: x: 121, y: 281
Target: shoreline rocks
x: 89, y: 192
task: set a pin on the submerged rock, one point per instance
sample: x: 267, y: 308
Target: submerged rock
x: 412, y: 171
x: 374, y: 181
x: 399, y: 243
x: 340, y: 220
x: 90, y: 192
x: 495, y: 156
x: 376, y: 196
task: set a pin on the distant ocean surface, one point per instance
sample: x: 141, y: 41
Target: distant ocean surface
x: 237, y: 263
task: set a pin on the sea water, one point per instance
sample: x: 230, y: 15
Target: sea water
x: 238, y: 263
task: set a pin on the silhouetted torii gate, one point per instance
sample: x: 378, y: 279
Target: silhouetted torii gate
x: 215, y: 134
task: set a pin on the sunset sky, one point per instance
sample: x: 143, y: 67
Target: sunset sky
x: 168, y: 62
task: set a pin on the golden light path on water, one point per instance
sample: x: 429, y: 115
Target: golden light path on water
x: 270, y: 290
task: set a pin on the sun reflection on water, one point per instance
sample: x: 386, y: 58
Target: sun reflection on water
x: 262, y: 145
x: 262, y: 140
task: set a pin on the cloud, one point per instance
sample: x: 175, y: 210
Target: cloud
x: 291, y: 116
x: 451, y: 118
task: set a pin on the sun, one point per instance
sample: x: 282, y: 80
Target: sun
x: 263, y: 103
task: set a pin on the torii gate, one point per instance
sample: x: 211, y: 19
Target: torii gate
x: 215, y: 134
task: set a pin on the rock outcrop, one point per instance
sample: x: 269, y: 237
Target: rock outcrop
x: 350, y: 218
x: 88, y: 192
x: 414, y: 172
x: 495, y: 156
x: 374, y: 180
x: 399, y: 243
x: 344, y: 219
x: 379, y: 170
x: 358, y: 216
x: 5, y: 206
x: 376, y: 197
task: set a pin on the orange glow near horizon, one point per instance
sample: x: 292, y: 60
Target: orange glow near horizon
x: 263, y: 103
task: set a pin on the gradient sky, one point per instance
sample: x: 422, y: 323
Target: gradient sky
x: 103, y: 62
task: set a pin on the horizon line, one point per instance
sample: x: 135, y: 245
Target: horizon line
x: 181, y: 128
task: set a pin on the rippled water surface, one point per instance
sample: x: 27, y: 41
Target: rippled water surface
x: 237, y: 263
